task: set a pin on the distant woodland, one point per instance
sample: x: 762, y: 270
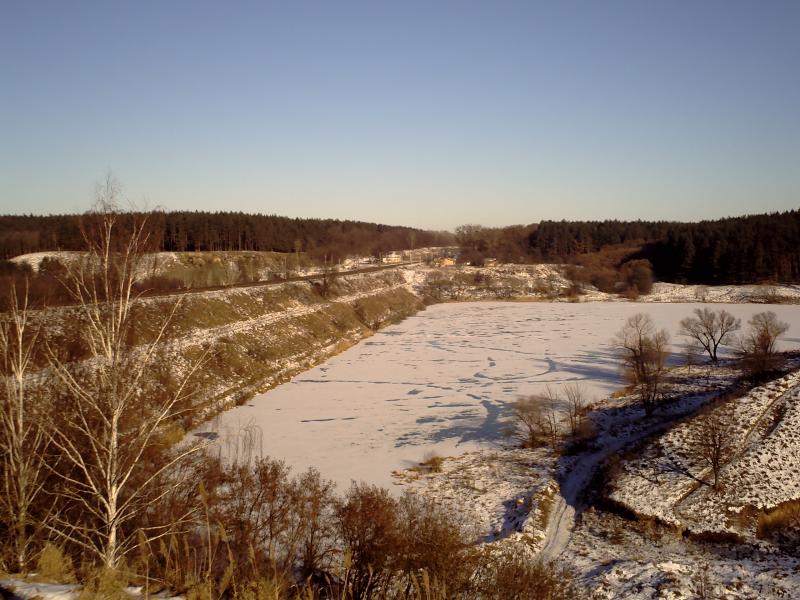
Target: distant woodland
x: 750, y: 249
x: 219, y: 231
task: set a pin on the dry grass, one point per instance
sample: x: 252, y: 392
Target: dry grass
x: 433, y: 462
x: 778, y: 519
x: 53, y: 566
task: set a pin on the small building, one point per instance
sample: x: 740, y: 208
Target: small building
x: 392, y: 258
x: 446, y: 261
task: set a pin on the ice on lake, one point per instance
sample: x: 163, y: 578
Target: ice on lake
x: 442, y: 381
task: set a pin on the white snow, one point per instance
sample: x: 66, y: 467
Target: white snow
x: 663, y: 480
x: 441, y: 381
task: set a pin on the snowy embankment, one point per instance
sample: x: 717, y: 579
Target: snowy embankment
x: 667, y: 479
x: 28, y: 589
x: 504, y: 494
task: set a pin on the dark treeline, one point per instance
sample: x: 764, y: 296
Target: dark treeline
x: 745, y: 249
x: 734, y: 250
x: 740, y: 250
x: 193, y: 231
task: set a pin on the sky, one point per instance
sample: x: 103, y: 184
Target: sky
x: 430, y: 114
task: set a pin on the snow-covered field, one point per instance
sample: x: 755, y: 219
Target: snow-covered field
x: 441, y: 381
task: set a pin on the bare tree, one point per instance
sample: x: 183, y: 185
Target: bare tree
x: 691, y: 353
x: 22, y: 437
x: 110, y: 434
x: 644, y: 354
x: 757, y: 348
x: 575, y: 407
x: 711, y: 441
x: 550, y: 400
x: 710, y: 329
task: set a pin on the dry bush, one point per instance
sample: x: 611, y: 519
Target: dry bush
x: 158, y: 284
x: 701, y: 584
x: 637, y: 276
x: 54, y: 566
x: 535, y: 419
x: 367, y: 528
x: 433, y: 462
x: 105, y: 584
x: 611, y: 270
x: 315, y: 505
x: 778, y: 520
x: 432, y: 542
x: 518, y: 577
x: 576, y: 404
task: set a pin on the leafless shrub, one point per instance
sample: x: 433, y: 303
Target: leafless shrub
x: 691, y: 353
x: 367, y: 527
x: 779, y: 519
x: 515, y: 576
x: 701, y: 293
x: 701, y: 585
x: 433, y: 462
x: 432, y: 544
x: 535, y: 419
x: 54, y: 566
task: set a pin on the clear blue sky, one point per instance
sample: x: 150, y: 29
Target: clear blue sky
x: 426, y: 113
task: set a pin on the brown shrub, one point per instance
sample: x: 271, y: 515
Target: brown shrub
x: 518, y: 577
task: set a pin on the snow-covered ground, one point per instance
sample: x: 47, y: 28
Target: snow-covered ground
x: 441, y: 381
x: 664, y: 480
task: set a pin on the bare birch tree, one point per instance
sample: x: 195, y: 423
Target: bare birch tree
x: 110, y: 435
x: 22, y: 438
x: 710, y: 329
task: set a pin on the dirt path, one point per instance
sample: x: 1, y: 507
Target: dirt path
x: 571, y: 501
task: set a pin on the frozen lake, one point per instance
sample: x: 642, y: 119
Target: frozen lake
x: 442, y: 381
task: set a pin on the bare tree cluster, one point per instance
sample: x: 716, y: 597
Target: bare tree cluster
x: 96, y: 446
x: 538, y: 419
